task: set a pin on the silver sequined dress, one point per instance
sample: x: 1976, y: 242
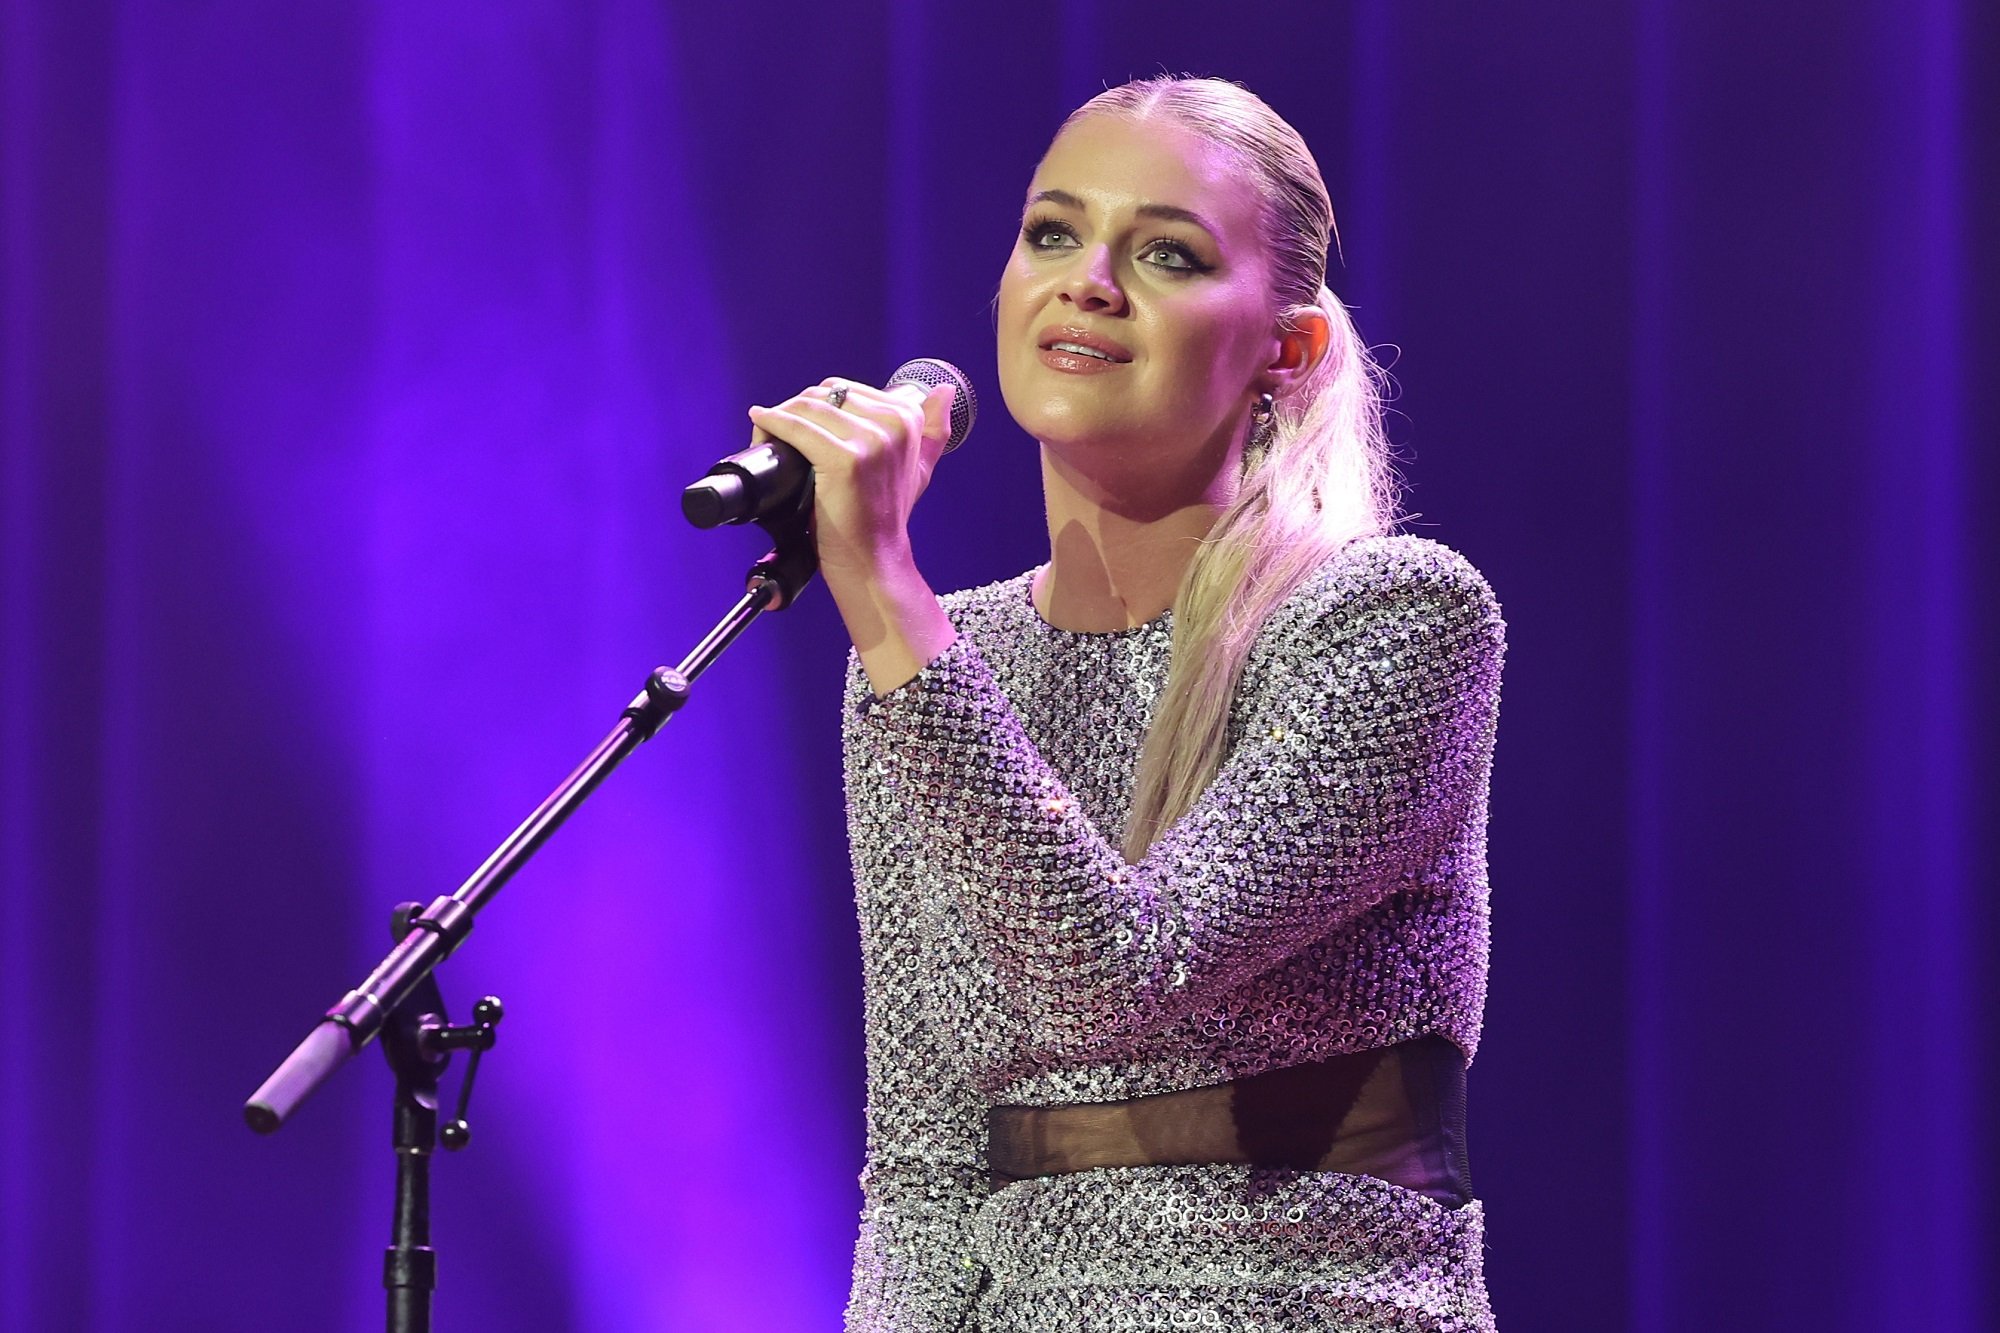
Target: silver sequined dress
x: 1327, y: 894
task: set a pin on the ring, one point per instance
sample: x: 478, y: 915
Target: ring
x: 837, y: 395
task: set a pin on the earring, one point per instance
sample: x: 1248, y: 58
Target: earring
x: 1263, y: 422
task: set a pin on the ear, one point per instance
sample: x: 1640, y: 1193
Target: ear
x: 1304, y: 334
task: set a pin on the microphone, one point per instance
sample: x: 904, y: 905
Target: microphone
x: 765, y: 479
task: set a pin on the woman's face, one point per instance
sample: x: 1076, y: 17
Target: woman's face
x: 1141, y: 250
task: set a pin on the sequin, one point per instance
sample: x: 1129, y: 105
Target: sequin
x: 1326, y: 894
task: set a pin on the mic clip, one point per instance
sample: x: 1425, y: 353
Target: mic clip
x: 770, y: 485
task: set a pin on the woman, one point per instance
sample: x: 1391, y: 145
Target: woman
x: 1169, y: 854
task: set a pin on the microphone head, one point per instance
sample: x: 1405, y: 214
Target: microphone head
x: 927, y: 373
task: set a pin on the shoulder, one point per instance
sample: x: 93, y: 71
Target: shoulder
x: 1396, y: 586
x: 1401, y: 565
x: 1376, y: 574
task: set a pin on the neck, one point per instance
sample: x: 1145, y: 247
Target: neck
x: 1118, y: 546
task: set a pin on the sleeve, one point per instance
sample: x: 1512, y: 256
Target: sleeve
x: 1362, y: 749
x: 926, y: 1170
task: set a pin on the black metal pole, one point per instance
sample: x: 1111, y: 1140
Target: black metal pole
x: 440, y: 928
x: 409, y: 1269
x: 400, y: 1000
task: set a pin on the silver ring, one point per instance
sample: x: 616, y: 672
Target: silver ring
x: 837, y: 395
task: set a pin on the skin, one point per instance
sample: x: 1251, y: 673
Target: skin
x: 1137, y: 461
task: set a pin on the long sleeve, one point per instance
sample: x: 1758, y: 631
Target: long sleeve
x: 1365, y: 728
x: 925, y: 1172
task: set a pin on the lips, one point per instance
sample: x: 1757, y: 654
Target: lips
x: 1071, y: 341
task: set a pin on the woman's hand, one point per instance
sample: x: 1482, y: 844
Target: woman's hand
x: 872, y: 456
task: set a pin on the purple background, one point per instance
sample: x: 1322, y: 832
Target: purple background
x: 353, y: 356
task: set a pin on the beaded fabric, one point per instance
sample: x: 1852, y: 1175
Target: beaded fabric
x: 1326, y: 894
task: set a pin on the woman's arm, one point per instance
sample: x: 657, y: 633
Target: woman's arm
x: 1362, y: 755
x: 926, y: 1164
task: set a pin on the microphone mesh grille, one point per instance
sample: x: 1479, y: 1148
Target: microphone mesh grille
x: 927, y: 373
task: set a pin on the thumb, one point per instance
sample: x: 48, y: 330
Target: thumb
x: 937, y: 412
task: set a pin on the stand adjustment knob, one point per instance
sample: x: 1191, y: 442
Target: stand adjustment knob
x: 478, y: 1037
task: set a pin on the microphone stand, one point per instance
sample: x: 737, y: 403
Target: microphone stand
x: 400, y: 997
x: 418, y: 1041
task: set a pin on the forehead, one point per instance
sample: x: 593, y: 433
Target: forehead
x: 1115, y: 164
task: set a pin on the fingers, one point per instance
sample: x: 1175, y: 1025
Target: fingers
x: 822, y: 446
x: 904, y: 404
x: 867, y: 421
x: 929, y: 423
x: 853, y: 429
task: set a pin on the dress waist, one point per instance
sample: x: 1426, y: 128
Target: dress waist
x: 1396, y: 1113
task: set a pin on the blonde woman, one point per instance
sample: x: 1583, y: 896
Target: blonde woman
x: 1169, y: 854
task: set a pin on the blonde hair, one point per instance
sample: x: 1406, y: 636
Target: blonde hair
x: 1315, y: 477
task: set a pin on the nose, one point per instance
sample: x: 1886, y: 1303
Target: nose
x: 1092, y: 284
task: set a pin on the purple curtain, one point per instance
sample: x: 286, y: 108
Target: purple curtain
x: 353, y: 357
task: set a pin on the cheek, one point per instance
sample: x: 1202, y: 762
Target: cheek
x: 1229, y: 333
x: 1207, y: 337
x: 1017, y: 292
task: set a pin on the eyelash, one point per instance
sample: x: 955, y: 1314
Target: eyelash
x: 1035, y: 228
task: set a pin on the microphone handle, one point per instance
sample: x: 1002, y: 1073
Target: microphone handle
x: 760, y: 481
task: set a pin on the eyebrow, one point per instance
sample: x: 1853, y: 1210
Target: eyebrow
x: 1166, y: 212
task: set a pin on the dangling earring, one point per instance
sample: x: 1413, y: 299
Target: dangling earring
x: 1263, y: 424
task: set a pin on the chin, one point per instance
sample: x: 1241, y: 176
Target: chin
x: 1062, y: 425
x: 1092, y: 445
x: 1063, y: 413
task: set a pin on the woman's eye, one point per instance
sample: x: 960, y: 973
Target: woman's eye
x: 1047, y: 235
x: 1165, y: 254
